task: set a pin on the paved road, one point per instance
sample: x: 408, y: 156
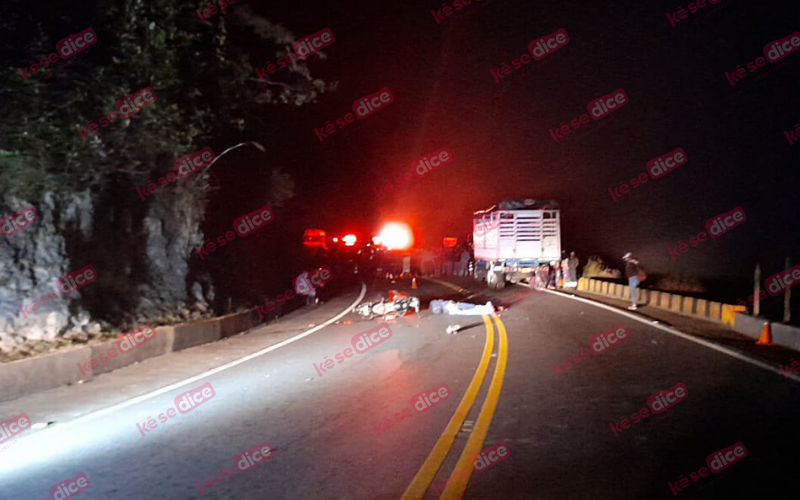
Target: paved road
x: 323, y: 427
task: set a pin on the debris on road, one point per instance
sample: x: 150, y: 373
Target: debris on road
x: 453, y: 329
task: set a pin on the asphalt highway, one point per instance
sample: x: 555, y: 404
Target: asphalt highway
x: 367, y: 427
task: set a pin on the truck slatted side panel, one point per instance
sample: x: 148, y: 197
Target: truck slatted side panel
x: 551, y: 236
x: 524, y: 227
x: 519, y: 234
x: 523, y: 235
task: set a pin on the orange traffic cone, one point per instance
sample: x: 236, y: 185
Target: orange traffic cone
x: 414, y: 283
x: 766, y: 336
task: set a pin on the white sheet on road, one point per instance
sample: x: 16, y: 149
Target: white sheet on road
x: 464, y: 309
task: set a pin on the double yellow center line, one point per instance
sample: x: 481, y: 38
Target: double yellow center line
x: 455, y: 490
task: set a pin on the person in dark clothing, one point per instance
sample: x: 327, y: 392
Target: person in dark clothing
x: 632, y: 273
x: 463, y: 265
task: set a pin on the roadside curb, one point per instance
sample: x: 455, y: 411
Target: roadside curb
x: 29, y: 376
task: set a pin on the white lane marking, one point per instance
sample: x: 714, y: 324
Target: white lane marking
x: 158, y: 392
x: 680, y: 334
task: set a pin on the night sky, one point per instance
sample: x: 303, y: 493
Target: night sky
x: 445, y: 96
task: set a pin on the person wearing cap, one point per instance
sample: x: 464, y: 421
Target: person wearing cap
x: 632, y: 272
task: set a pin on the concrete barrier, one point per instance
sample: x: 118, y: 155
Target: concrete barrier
x: 158, y: 345
x: 233, y: 324
x: 27, y: 376
x: 785, y: 335
x: 715, y: 311
x: 702, y: 308
x: 675, y: 305
x: 685, y: 306
x: 748, y: 325
x: 41, y: 373
x: 663, y: 300
x: 193, y: 334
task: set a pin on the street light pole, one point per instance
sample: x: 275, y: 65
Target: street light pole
x: 249, y: 143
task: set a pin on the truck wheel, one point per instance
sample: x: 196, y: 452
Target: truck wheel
x: 495, y: 280
x: 491, y: 282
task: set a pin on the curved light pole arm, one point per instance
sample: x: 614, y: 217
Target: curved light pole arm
x: 249, y: 143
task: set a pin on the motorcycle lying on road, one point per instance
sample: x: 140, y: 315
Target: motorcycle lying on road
x: 398, y: 304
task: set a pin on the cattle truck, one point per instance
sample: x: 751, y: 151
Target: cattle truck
x: 515, y: 239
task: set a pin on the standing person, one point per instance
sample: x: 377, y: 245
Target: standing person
x: 573, y: 269
x: 427, y: 263
x: 564, y: 269
x: 632, y: 272
x: 465, y: 256
x: 452, y: 262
